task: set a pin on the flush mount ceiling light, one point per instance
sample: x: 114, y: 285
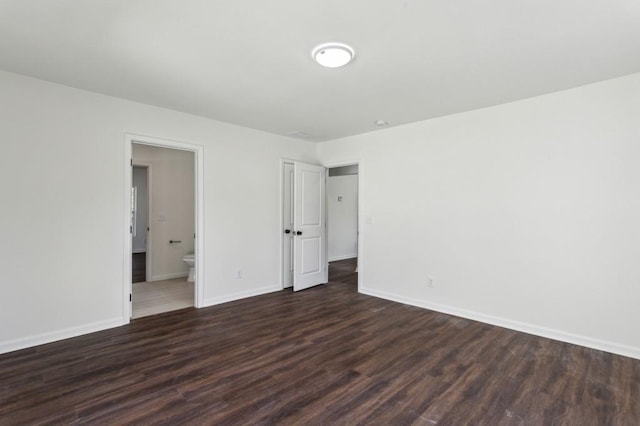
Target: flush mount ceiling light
x: 380, y: 123
x: 333, y: 55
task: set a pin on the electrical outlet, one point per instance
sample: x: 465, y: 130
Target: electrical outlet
x: 430, y: 283
x: 239, y: 274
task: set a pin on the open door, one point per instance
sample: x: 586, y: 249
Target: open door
x: 309, y: 240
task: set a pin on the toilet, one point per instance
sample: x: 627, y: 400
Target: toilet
x: 190, y: 260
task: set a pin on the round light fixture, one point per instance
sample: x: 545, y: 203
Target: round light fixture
x: 381, y: 123
x: 333, y: 55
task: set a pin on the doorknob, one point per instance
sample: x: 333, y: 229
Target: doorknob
x: 287, y: 231
x: 298, y: 232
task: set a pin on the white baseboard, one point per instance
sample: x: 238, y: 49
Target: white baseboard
x: 41, y: 339
x: 550, y: 333
x: 168, y: 276
x: 240, y: 295
x: 344, y: 257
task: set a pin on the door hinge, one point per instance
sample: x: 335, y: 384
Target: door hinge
x: 129, y: 297
x: 131, y: 161
x: 131, y: 229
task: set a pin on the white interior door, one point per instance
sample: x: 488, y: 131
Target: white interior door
x: 309, y: 241
x: 287, y: 224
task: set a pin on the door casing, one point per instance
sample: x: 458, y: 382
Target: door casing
x: 198, y: 151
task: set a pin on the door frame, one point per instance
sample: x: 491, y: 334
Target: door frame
x: 330, y: 165
x: 198, y: 151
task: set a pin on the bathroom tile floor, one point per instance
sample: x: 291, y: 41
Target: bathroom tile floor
x: 150, y: 298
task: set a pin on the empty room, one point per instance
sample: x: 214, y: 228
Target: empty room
x: 390, y: 212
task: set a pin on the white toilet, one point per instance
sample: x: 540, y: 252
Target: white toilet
x: 190, y: 259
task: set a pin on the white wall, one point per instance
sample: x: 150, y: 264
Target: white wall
x: 525, y: 214
x: 172, y: 215
x: 62, y: 251
x: 342, y: 216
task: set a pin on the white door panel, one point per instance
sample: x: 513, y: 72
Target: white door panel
x: 312, y: 185
x: 311, y: 257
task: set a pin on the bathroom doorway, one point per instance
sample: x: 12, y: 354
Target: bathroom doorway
x: 164, y: 188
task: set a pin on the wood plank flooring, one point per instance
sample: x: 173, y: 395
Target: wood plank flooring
x: 138, y: 267
x: 327, y: 355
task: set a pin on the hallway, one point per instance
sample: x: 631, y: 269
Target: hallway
x: 343, y: 272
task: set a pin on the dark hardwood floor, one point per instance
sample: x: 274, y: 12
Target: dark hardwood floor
x: 138, y: 267
x: 327, y: 355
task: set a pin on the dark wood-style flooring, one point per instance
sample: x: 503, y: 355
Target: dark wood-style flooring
x: 138, y: 267
x: 327, y: 355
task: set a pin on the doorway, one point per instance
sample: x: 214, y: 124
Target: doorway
x: 169, y: 236
x: 171, y: 229
x: 342, y: 217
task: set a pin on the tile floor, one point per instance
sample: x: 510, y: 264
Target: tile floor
x: 150, y: 298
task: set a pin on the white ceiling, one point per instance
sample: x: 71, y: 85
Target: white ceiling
x: 249, y: 62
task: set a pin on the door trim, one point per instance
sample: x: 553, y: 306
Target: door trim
x: 330, y: 165
x: 198, y: 151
